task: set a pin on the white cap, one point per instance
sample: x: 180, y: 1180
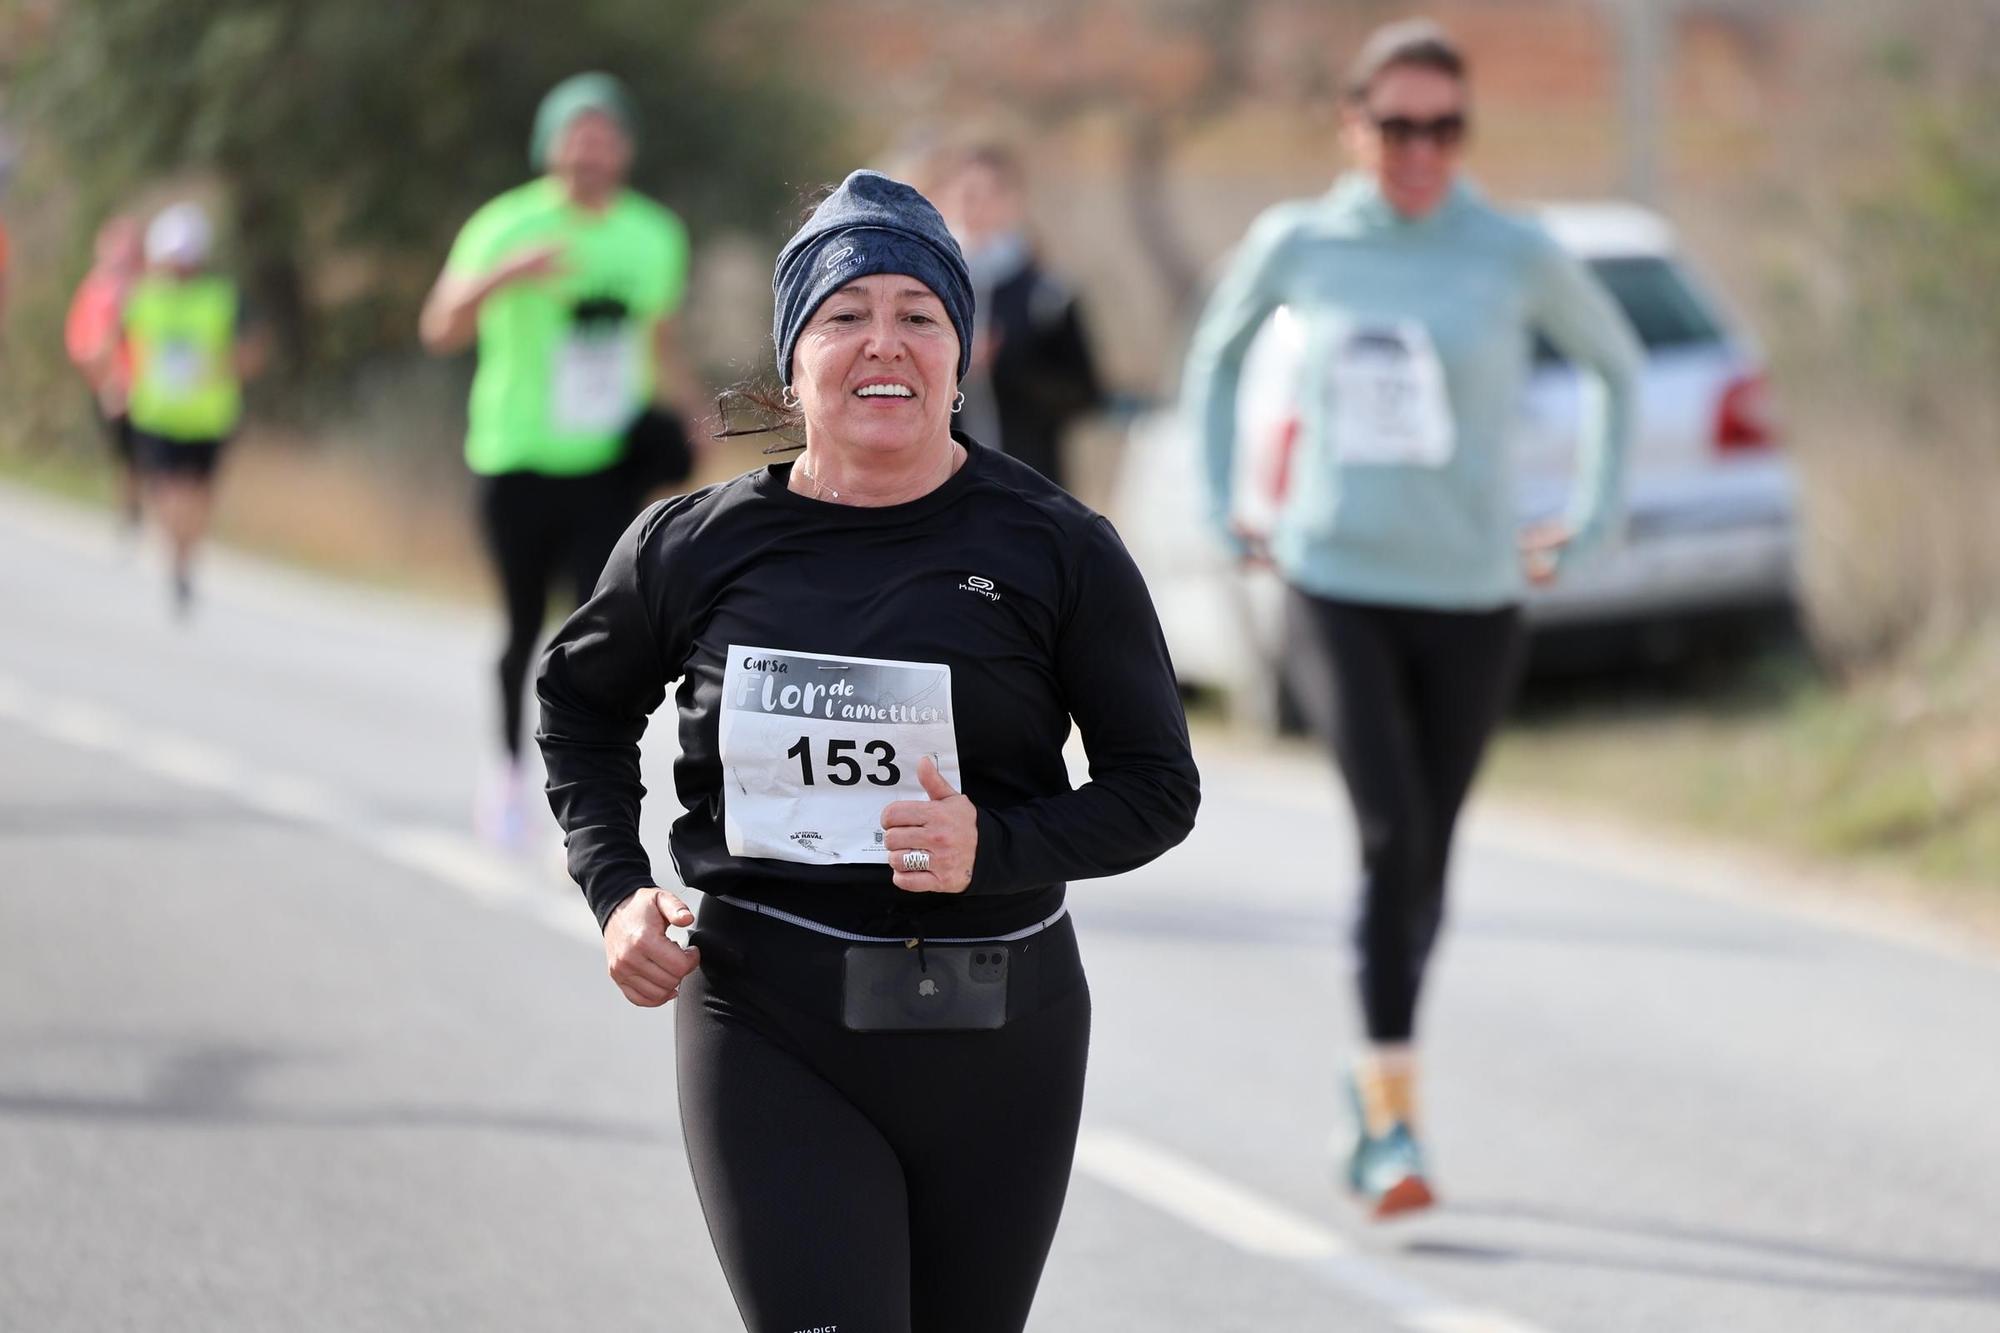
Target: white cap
x: 180, y: 235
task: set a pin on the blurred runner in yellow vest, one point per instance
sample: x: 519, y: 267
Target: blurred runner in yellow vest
x: 189, y: 361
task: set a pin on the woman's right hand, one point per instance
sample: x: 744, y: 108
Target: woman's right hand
x: 643, y: 960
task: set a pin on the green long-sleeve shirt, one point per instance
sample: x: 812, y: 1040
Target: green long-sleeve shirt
x: 1417, y: 345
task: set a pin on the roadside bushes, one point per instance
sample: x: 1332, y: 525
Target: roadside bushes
x: 1888, y: 316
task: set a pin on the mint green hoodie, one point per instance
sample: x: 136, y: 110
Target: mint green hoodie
x: 1417, y: 343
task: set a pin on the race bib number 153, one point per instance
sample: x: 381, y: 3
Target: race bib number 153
x: 813, y: 746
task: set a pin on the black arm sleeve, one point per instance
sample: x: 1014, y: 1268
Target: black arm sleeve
x: 604, y: 674
x: 1118, y: 683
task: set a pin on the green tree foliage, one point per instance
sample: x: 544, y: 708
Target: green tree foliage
x: 367, y: 133
x: 1890, y: 329
x: 1924, y: 250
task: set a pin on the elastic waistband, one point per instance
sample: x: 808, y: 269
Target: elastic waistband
x: 766, y: 957
x: 820, y: 928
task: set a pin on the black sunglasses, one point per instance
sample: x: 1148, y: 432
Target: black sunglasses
x: 1447, y: 131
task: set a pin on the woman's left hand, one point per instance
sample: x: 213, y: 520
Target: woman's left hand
x: 946, y: 826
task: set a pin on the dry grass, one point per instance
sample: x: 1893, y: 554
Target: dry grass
x: 343, y: 511
x: 334, y: 505
x: 1894, y: 770
x: 336, y: 510
x: 1901, y: 545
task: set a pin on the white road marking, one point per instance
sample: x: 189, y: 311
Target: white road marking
x: 444, y: 855
x: 73, y: 721
x: 456, y: 860
x: 182, y: 760
x: 1196, y: 1196
x: 296, y: 799
x: 1203, y: 1200
x: 561, y: 915
x: 1182, y: 1189
x: 1465, y: 1321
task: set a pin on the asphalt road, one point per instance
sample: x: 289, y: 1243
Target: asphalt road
x: 282, y: 1048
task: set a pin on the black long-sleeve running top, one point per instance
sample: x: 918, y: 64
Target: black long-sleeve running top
x: 1026, y: 595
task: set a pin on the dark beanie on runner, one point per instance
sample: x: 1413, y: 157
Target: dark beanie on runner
x: 871, y: 224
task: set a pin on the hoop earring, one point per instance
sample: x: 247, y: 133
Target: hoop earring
x: 958, y: 403
x: 790, y: 398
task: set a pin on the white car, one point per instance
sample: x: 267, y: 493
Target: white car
x: 1710, y: 501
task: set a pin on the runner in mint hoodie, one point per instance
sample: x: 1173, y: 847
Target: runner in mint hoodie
x: 1399, y: 540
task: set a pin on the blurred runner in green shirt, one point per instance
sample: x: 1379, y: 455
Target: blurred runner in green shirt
x: 569, y: 284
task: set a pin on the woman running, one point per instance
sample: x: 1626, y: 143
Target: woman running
x: 1398, y: 540
x: 880, y: 650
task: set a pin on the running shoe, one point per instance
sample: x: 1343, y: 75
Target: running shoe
x: 1386, y: 1170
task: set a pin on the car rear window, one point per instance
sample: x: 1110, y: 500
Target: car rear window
x: 1665, y: 312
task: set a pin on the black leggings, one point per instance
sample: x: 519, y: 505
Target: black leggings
x: 537, y: 527
x: 885, y: 1182
x: 1407, y: 698
x: 118, y: 434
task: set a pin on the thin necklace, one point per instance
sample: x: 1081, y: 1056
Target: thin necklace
x: 819, y: 492
x: 825, y: 492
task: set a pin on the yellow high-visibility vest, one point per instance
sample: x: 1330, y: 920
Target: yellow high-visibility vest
x: 182, y: 333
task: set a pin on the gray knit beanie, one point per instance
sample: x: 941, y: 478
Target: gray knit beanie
x: 871, y: 224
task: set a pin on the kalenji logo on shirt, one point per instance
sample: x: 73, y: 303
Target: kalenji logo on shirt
x: 984, y: 587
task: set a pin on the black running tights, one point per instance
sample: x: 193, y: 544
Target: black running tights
x: 537, y: 528
x: 1407, y: 698
x: 884, y: 1182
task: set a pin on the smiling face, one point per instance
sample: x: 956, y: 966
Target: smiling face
x: 876, y: 367
x: 1414, y: 171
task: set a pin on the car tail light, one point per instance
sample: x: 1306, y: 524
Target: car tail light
x: 1745, y: 418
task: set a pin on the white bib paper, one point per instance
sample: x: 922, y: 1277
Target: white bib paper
x: 1388, y: 405
x: 814, y: 746
x: 595, y: 383
x: 178, y: 367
